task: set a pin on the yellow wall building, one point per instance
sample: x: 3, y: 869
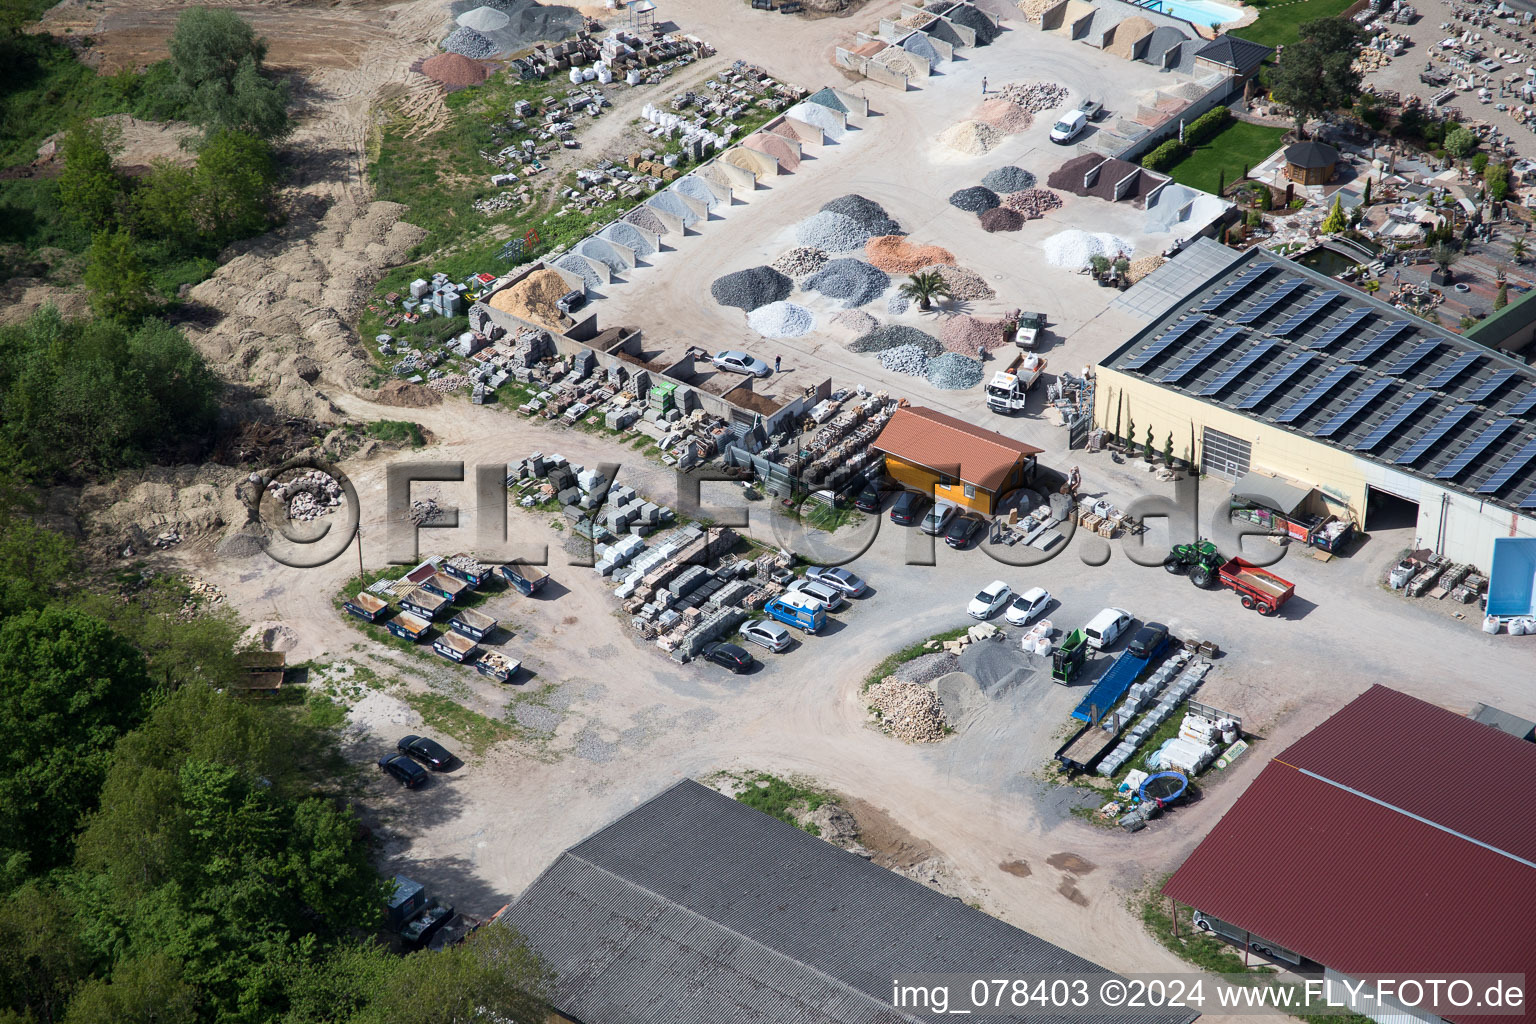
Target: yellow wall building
x: 956, y: 462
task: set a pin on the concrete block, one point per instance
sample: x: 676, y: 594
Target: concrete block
x: 568, y: 495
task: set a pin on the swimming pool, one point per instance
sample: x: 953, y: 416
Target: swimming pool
x: 1197, y: 12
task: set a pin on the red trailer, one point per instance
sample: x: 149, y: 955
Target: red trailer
x: 1259, y: 588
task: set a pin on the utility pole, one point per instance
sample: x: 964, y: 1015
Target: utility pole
x: 360, y: 576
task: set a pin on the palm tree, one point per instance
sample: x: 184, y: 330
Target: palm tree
x: 925, y: 287
x: 1517, y: 250
x: 1445, y: 257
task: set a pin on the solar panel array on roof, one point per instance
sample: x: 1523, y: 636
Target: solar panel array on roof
x: 1341, y: 328
x: 1377, y: 341
x: 1524, y: 404
x: 1420, y: 352
x: 1507, y: 472
x: 1315, y: 393
x: 1233, y: 288
x: 1162, y: 341
x: 1279, y: 377
x: 1444, y: 425
x: 1305, y: 313
x: 1276, y: 295
x: 1396, y: 418
x: 1485, y: 390
x: 1367, y: 395
x: 1237, y: 369
x: 1200, y: 355
x: 1529, y: 501
x: 1460, y: 365
x: 1478, y: 445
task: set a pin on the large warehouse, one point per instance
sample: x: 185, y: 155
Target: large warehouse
x: 1387, y: 841
x: 1394, y: 421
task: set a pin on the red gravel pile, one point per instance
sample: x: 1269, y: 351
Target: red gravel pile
x: 895, y: 255
x: 1008, y: 118
x: 1032, y: 202
x: 1002, y: 219
x: 970, y: 336
x: 776, y: 147
x: 453, y: 71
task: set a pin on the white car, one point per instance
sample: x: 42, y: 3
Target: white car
x: 1028, y: 606
x: 1105, y: 628
x: 837, y: 577
x: 1069, y: 127
x: 829, y: 596
x: 766, y: 634
x: 985, y: 604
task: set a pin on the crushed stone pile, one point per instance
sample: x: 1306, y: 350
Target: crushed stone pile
x: 694, y: 188
x: 970, y: 335
x: 895, y: 255
x: 977, y: 22
x: 1008, y: 118
x: 800, y: 260
x: 919, y: 45
x: 644, y: 217
x: 578, y: 264
x: 971, y: 138
x: 865, y: 212
x: 975, y: 199
x: 668, y: 202
x: 1034, y: 10
x: 1007, y: 179
x: 963, y: 282
x: 509, y: 26
x: 533, y: 298
x: 748, y: 289
x: 897, y: 304
x: 627, y: 234
x: 827, y: 98
x: 1140, y: 268
x: 907, y: 711
x: 855, y: 320
x: 468, y: 43
x: 925, y: 668
x: 952, y: 371
x: 831, y: 232
x: 453, y: 71
x: 1002, y: 219
x: 604, y: 253
x: 894, y: 336
x: 853, y: 282
x: 483, y: 19
x: 1074, y: 249
x: 1035, y: 97
x: 781, y: 320
x: 1033, y: 202
x: 905, y: 359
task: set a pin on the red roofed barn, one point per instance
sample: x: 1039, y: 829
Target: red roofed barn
x: 955, y: 462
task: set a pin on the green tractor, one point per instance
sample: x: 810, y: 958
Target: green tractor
x: 1200, y: 560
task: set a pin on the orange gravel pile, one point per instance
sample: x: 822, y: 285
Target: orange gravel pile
x: 1008, y: 118
x: 453, y: 71
x: 895, y: 255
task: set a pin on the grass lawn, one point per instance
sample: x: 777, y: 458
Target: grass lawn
x: 1238, y: 144
x: 1278, y: 21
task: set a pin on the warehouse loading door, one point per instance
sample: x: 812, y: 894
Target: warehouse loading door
x: 1223, y: 455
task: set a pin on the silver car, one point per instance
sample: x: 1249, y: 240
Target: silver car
x: 829, y: 596
x: 766, y: 634
x: 837, y: 577
x: 740, y: 362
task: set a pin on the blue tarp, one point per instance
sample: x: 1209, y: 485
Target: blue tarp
x: 1512, y: 577
x: 1111, y: 686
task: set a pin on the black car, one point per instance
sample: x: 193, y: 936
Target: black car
x: 870, y: 498
x: 962, y: 530
x: 405, y: 771
x: 1148, y: 640
x: 732, y: 657
x: 428, y: 751
x: 909, y: 508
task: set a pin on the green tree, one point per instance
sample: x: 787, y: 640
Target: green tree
x: 925, y: 287
x: 90, y: 191
x: 149, y: 989
x: 165, y: 204
x: 1479, y: 163
x: 235, y: 181
x: 1334, y: 222
x: 1445, y: 256
x: 217, y: 60
x: 116, y: 278
x: 1460, y: 141
x: 1315, y: 75
x: 41, y: 956
x: 1517, y: 249
x: 35, y: 563
x: 492, y: 975
x: 1502, y: 298
x: 69, y: 687
x: 1497, y: 180
x: 1365, y: 195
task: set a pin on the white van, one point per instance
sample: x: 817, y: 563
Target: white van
x: 1105, y: 628
x: 1068, y: 127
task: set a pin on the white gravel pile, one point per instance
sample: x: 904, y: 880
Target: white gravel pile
x: 954, y: 372
x: 669, y: 202
x: 694, y: 188
x: 484, y: 19
x: 800, y: 261
x: 781, y: 320
x: 908, y: 711
x: 905, y: 359
x: 829, y: 121
x: 1074, y: 249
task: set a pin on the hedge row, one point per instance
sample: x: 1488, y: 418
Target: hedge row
x: 1201, y: 129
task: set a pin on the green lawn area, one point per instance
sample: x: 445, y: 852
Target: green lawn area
x: 1238, y: 144
x: 1278, y: 21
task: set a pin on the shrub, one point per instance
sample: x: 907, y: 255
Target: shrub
x: 1164, y: 156
x: 1206, y: 125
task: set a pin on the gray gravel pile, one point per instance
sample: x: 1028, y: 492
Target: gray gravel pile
x: 799, y: 261
x: 905, y: 359
x: 974, y: 199
x: 521, y: 24
x: 927, y: 667
x: 897, y: 304
x: 827, y: 98
x: 832, y: 232
x: 996, y: 667
x: 694, y: 188
x: 466, y: 41
x: 973, y: 19
x: 628, y: 234
x: 670, y: 203
x: 577, y: 265
x: 751, y: 288
x: 781, y: 320
x: 603, y: 253
x: 853, y: 282
x: 894, y: 336
x: 1008, y: 179
x: 954, y: 372
x: 645, y: 218
x: 920, y: 45
x: 866, y: 212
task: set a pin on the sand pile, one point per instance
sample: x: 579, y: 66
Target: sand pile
x: 453, y: 71
x: 895, y: 255
x: 1008, y: 118
x: 1034, y: 10
x: 533, y: 298
x: 971, y: 138
x: 1127, y: 34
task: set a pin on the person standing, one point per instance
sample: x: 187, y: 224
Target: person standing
x: 778, y: 361
x: 983, y: 85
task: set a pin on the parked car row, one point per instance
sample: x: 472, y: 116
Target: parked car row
x: 403, y: 767
x: 803, y: 605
